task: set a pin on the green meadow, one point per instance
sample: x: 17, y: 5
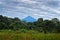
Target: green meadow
x: 27, y: 35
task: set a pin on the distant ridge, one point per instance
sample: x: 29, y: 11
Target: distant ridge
x: 29, y: 19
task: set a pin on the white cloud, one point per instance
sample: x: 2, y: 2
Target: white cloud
x: 27, y: 1
x: 1, y: 2
x: 35, y: 14
x: 34, y: 8
x: 49, y: 9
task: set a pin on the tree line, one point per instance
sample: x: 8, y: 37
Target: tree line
x: 46, y: 26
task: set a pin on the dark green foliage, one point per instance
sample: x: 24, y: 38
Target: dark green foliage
x: 46, y: 26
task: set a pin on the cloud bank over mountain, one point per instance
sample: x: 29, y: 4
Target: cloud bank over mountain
x: 46, y: 9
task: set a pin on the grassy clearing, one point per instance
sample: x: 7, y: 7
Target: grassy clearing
x: 30, y: 35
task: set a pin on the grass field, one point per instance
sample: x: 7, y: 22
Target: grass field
x: 30, y: 35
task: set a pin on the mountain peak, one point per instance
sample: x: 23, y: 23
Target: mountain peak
x: 29, y: 19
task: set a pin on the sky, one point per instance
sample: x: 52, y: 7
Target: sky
x: 46, y: 9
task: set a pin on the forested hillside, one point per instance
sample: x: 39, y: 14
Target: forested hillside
x: 46, y: 26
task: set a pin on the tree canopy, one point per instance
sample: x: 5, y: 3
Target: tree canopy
x: 40, y: 25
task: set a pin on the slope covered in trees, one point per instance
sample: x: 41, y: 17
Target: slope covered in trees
x: 46, y: 26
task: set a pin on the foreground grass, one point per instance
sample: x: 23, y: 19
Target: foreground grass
x: 30, y: 35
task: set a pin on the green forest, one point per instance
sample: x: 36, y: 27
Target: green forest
x: 45, y: 26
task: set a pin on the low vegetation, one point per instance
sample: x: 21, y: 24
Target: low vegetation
x: 27, y: 35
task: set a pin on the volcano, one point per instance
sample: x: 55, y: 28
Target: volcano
x: 29, y: 19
